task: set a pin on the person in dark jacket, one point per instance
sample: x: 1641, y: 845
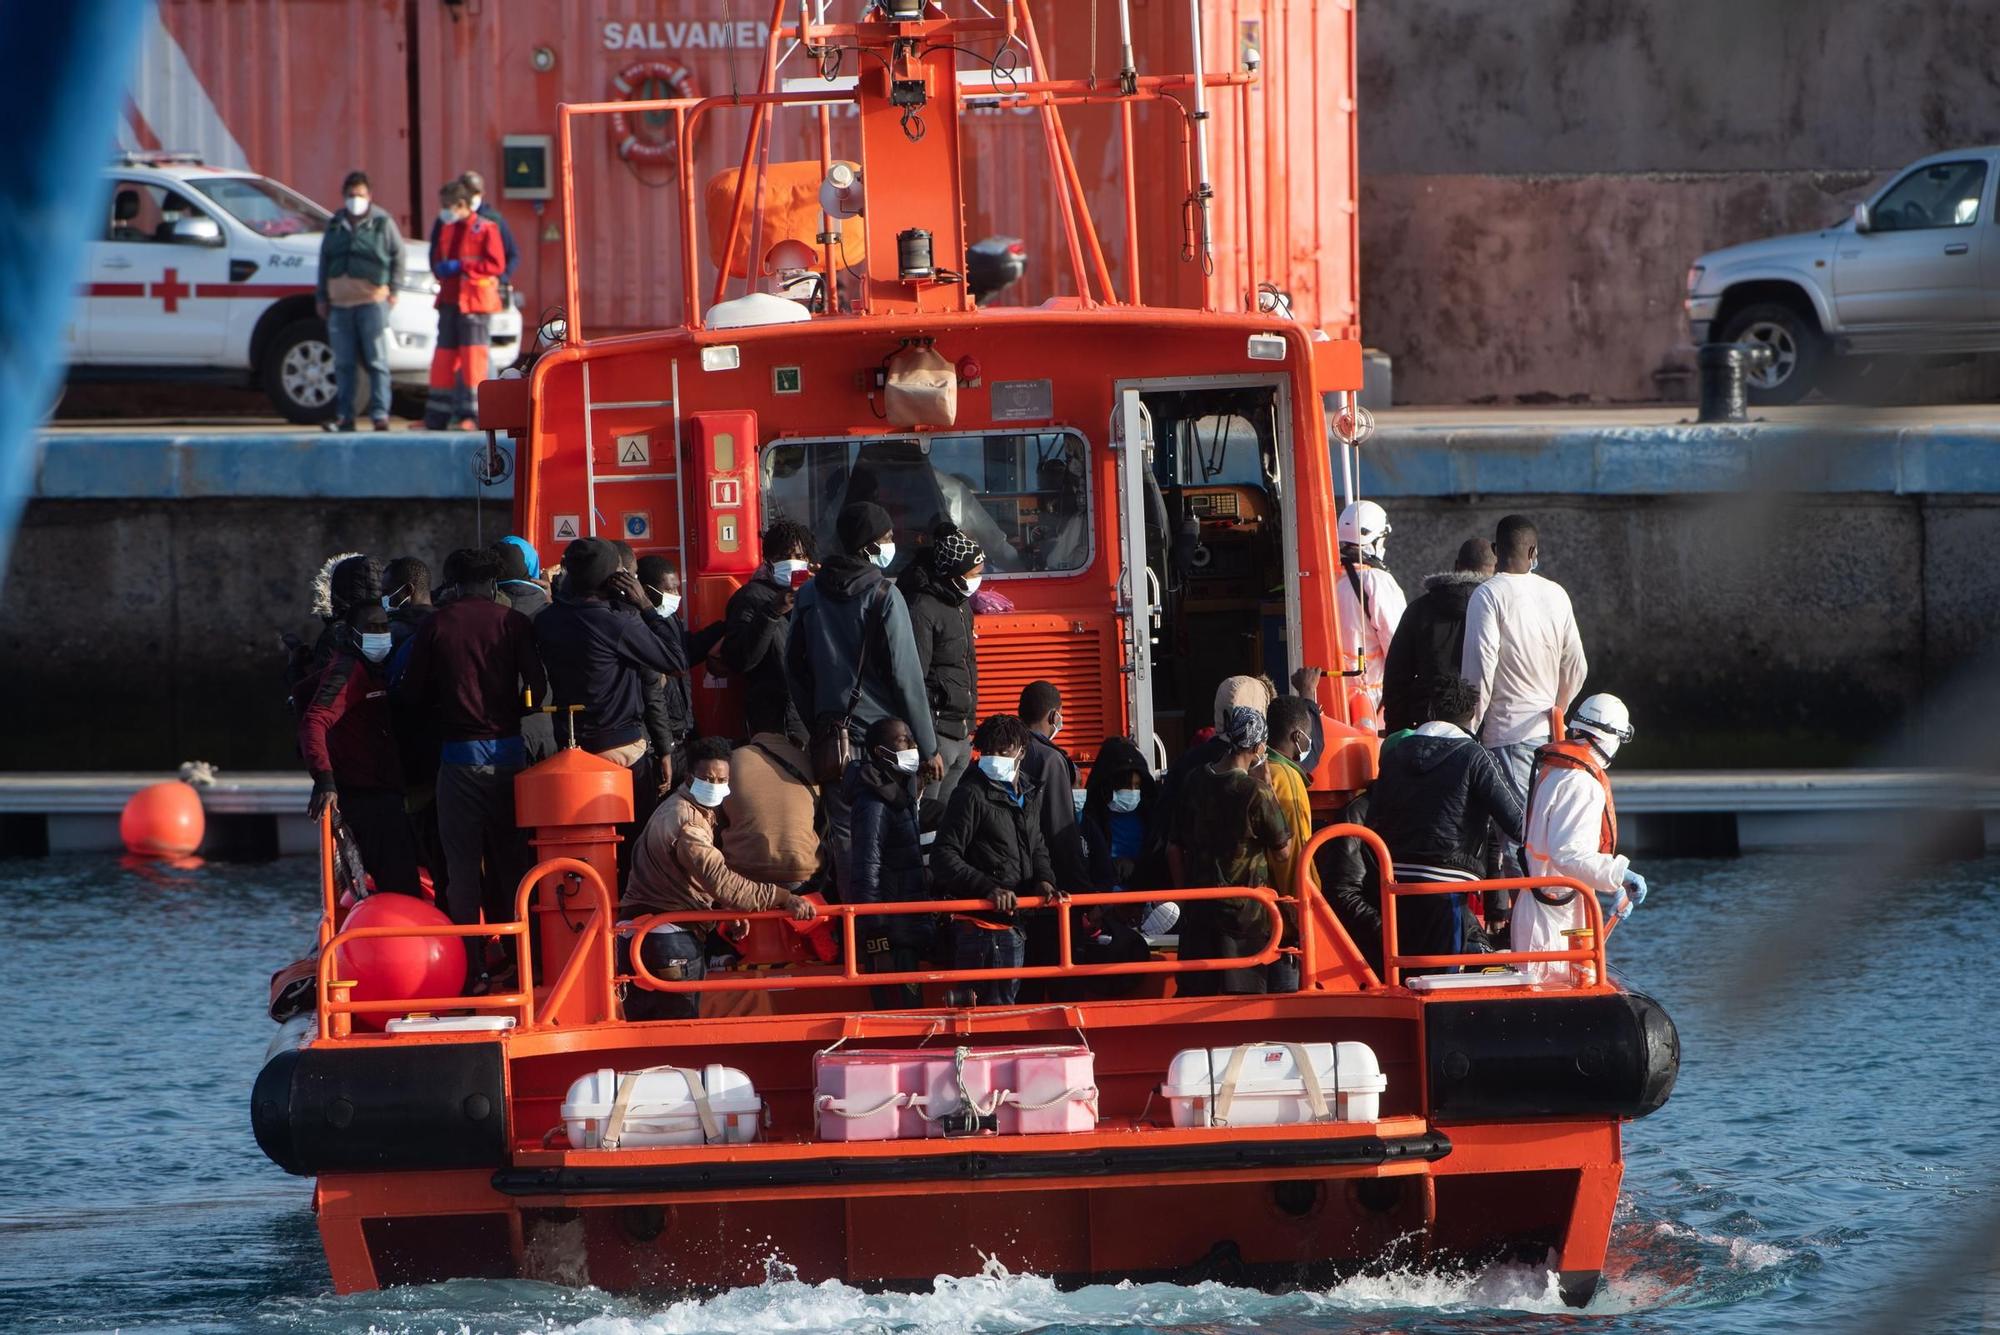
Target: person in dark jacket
x: 1122, y: 833
x: 662, y: 584
x: 1430, y: 640
x: 1228, y: 831
x: 940, y: 592
x: 1050, y: 769
x: 1431, y: 802
x: 360, y: 263
x: 406, y: 594
x: 349, y: 744
x: 471, y: 670
x: 886, y: 857
x: 518, y: 584
x: 758, y: 615
x: 990, y: 846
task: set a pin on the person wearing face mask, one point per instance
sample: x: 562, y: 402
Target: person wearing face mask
x: 677, y: 867
x: 360, y: 258
x: 662, y: 585
x: 1122, y: 837
x: 1228, y: 830
x: 1288, y: 770
x: 940, y: 592
x: 1573, y: 831
x: 990, y: 846
x: 886, y: 857
x: 757, y: 618
x: 467, y: 259
x: 349, y: 743
x: 770, y: 829
x: 483, y: 208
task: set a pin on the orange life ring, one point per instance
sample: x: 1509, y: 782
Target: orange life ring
x: 630, y: 137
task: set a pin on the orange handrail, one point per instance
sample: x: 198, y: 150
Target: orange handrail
x: 596, y: 931
x: 328, y: 903
x: 850, y: 974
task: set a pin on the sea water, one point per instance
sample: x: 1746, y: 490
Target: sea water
x: 1827, y: 1163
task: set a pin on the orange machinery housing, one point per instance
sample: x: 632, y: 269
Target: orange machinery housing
x: 1152, y: 486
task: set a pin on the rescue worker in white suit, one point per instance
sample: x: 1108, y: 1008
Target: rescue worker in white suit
x: 1369, y: 600
x: 1572, y: 830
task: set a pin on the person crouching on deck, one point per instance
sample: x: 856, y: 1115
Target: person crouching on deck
x: 467, y: 260
x: 990, y: 846
x: 677, y: 868
x: 1573, y: 832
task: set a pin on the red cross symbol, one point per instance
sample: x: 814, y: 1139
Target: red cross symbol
x: 171, y: 291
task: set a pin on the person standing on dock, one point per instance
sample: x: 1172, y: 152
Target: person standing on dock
x: 1430, y: 641
x: 468, y: 260
x: 1572, y: 830
x: 1524, y: 655
x: 360, y: 259
x: 1368, y: 599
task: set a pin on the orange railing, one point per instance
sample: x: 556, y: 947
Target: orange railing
x: 1394, y: 962
x: 850, y: 973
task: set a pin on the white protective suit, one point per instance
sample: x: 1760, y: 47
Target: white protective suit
x: 1565, y: 829
x: 1366, y: 631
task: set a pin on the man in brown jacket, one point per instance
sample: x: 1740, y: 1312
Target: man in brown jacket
x: 768, y: 831
x: 677, y: 868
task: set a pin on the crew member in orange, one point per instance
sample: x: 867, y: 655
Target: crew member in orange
x: 468, y: 261
x: 1572, y: 830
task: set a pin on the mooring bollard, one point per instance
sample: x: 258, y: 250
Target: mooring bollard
x: 1723, y: 366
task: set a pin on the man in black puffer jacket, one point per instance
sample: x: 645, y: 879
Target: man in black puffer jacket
x: 758, y: 617
x: 886, y: 857
x: 1431, y: 802
x: 939, y: 590
x: 1430, y: 639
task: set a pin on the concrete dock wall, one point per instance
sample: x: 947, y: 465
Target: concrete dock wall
x: 1536, y: 177
x: 1803, y: 621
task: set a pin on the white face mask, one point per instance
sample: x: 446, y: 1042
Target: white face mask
x: 1305, y: 748
x: 885, y: 554
x: 670, y: 603
x: 375, y: 645
x: 906, y: 761
x: 446, y: 218
x: 785, y: 574
x: 477, y: 200
x: 1000, y: 769
x: 357, y: 205
x: 707, y: 794
x: 972, y: 583
x: 1534, y: 564
x: 1126, y: 800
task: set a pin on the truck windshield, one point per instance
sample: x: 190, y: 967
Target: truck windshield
x: 1021, y: 495
x: 265, y: 207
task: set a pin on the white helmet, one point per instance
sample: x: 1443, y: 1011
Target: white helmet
x: 1364, y: 524
x: 1604, y: 720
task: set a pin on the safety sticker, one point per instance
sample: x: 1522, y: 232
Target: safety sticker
x: 725, y: 493
x: 638, y: 525
x: 786, y: 380
x: 634, y: 451
x: 568, y: 528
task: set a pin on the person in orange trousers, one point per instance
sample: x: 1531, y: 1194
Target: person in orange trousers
x: 468, y: 261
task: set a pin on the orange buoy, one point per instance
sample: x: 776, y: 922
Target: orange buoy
x: 162, y: 820
x: 399, y: 968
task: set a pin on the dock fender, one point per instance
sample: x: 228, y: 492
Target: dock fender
x: 418, y: 1105
x: 1614, y: 1055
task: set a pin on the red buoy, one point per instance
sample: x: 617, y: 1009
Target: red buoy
x: 399, y: 968
x: 162, y: 820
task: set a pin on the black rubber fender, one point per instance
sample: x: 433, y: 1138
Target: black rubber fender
x: 1613, y: 1055
x: 365, y: 1109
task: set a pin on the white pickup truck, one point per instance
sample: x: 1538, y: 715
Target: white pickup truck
x: 1914, y: 271
x: 204, y: 273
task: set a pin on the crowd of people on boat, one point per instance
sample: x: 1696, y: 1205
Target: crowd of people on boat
x: 861, y: 770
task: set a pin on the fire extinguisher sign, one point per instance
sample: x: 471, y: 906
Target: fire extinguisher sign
x: 725, y: 493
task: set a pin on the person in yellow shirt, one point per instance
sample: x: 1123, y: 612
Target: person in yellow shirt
x: 1290, y: 751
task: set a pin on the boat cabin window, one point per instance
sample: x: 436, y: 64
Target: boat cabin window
x: 1021, y: 495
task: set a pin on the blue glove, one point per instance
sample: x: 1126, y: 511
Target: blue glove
x: 450, y: 268
x: 1635, y: 885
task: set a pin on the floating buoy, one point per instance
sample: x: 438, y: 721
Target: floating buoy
x: 399, y: 968
x: 162, y: 820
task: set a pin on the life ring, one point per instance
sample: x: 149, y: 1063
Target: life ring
x: 631, y: 138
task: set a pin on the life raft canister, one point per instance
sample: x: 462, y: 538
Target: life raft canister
x: 1573, y: 755
x: 631, y: 136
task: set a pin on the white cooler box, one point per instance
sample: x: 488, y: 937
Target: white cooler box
x: 1269, y: 1084
x: 662, y: 1105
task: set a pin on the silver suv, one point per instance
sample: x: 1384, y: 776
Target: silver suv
x: 1915, y: 271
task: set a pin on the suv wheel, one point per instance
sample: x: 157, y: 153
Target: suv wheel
x: 1797, y: 351
x: 298, y: 372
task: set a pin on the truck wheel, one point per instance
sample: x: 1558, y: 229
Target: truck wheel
x: 1798, y: 350
x: 298, y: 372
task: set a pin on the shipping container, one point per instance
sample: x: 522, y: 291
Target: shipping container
x: 415, y: 91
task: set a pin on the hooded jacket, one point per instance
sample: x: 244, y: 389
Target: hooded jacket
x: 823, y: 651
x: 941, y: 619
x: 1429, y: 642
x: 990, y: 837
x: 1436, y: 790
x: 885, y: 858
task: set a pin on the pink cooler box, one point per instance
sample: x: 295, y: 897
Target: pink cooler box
x: 906, y: 1094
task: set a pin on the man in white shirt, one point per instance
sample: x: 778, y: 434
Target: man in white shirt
x: 1369, y: 601
x: 1523, y: 653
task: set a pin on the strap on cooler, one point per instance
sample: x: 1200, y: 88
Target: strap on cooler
x: 1224, y: 1094
x: 614, y: 1125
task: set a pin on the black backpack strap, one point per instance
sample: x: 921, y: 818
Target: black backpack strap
x: 782, y: 763
x: 861, y: 659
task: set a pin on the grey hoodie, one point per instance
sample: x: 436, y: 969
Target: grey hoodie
x: 824, y: 648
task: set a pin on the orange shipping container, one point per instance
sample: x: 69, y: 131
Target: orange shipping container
x: 415, y: 91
